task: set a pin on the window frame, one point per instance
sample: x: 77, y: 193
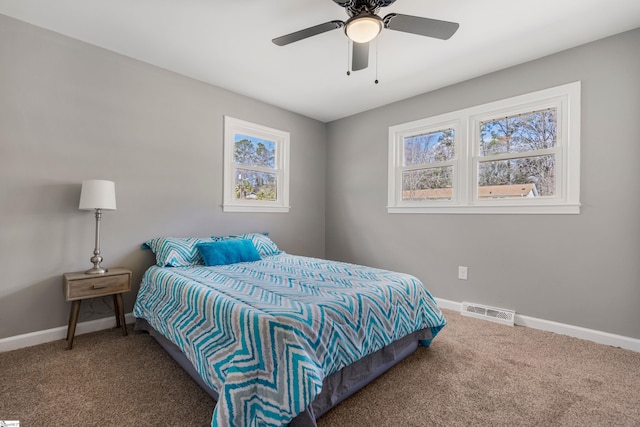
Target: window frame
x: 466, y: 124
x: 233, y: 126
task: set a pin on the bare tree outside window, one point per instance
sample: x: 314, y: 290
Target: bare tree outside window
x: 521, y: 141
x: 426, y: 178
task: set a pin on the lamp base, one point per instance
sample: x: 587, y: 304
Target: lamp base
x: 96, y: 270
x: 96, y: 259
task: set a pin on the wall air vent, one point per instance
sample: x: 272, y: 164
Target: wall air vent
x: 479, y: 311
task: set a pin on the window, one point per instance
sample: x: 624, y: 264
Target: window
x: 519, y: 155
x: 256, y: 168
x: 427, y: 170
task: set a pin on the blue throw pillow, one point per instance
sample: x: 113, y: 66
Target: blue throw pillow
x: 264, y: 245
x: 230, y: 251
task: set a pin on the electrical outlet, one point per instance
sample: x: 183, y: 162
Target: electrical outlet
x: 462, y: 272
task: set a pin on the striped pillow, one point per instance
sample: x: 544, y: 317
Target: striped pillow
x: 264, y: 245
x: 177, y: 251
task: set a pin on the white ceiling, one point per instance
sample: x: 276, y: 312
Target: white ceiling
x: 228, y: 43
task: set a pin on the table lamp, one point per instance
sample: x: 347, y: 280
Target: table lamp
x: 97, y: 194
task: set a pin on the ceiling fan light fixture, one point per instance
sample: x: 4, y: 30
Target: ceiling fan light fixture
x: 363, y: 28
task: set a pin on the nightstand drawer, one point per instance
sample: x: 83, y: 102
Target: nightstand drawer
x: 96, y: 286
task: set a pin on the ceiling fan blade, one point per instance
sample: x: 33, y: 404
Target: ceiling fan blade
x: 360, y: 58
x: 307, y: 32
x: 421, y: 26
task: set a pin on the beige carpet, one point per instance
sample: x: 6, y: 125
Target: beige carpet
x: 475, y: 373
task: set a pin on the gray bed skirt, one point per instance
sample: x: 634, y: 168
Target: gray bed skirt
x: 335, y: 388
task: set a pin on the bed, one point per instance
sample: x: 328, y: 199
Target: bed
x: 279, y: 339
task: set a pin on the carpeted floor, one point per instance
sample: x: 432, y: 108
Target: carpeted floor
x: 475, y: 373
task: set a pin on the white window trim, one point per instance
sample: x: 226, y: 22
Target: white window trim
x: 565, y: 98
x: 233, y: 126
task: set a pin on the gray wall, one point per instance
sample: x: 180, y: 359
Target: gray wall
x: 580, y: 270
x: 70, y: 111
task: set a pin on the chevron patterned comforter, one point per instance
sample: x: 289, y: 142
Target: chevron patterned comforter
x: 264, y: 334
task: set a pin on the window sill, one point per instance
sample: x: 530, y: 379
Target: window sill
x: 254, y: 208
x: 547, y: 209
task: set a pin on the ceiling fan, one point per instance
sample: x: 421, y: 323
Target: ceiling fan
x: 364, y: 25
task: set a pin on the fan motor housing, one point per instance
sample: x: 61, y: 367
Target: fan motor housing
x: 356, y: 7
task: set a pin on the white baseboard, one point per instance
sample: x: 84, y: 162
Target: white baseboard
x: 562, y: 329
x: 41, y: 337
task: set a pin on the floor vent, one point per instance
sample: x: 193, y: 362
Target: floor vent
x: 498, y: 315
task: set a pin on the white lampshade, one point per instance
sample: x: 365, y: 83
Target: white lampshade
x: 98, y: 194
x: 363, y: 29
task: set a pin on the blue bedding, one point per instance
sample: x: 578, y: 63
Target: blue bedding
x: 265, y: 334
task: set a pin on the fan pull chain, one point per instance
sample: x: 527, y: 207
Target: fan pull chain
x: 376, y: 80
x: 348, y: 57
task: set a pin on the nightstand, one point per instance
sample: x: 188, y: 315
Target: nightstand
x: 79, y: 286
